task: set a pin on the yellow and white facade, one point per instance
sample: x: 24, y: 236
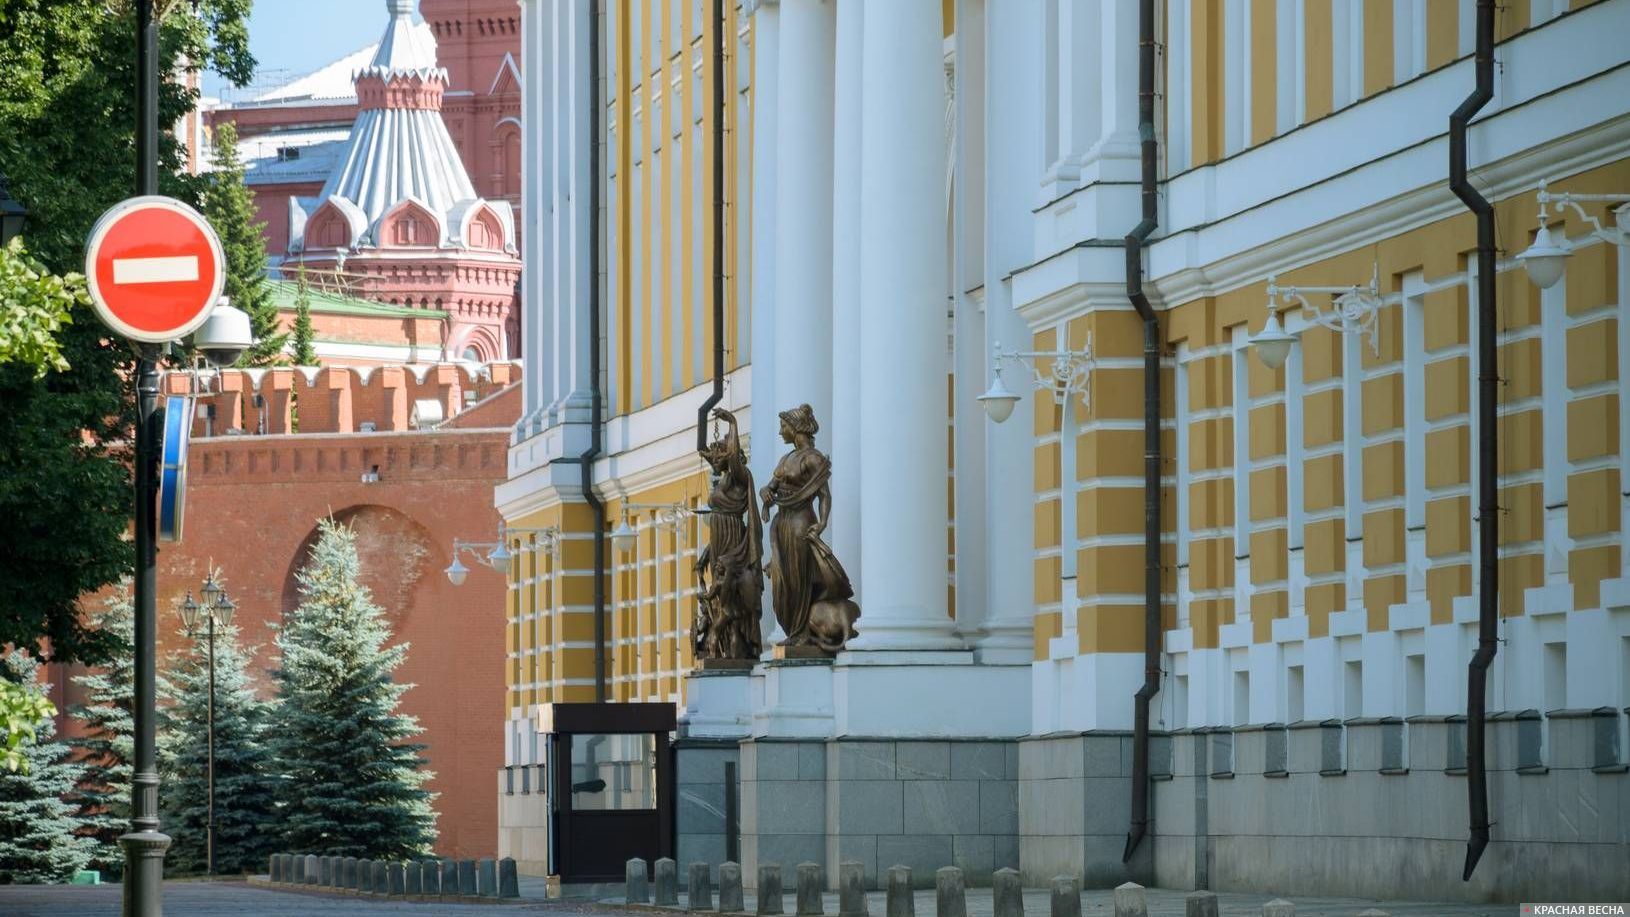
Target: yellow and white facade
x: 908, y: 184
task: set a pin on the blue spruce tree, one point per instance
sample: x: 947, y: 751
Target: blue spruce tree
x: 39, y: 839
x: 352, y: 780
x: 246, y: 828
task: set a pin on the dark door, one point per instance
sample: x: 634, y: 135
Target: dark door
x: 611, y: 802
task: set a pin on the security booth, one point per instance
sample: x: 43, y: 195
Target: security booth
x: 610, y: 788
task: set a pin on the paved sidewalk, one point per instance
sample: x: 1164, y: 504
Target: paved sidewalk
x: 239, y: 899
x: 1162, y: 903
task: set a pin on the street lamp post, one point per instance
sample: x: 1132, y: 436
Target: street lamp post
x: 217, y: 608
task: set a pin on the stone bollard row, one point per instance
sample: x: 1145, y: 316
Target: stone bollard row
x: 770, y: 897
x: 1007, y: 893
x: 488, y: 878
x: 851, y: 889
x: 811, y: 882
x: 1129, y: 901
x: 635, y: 889
x: 731, y: 899
x: 950, y: 892
x: 667, y: 883
x: 901, y: 900
x: 1200, y: 904
x: 700, y: 888
x: 1066, y: 901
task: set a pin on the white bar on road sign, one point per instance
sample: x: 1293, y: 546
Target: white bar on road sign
x: 155, y: 270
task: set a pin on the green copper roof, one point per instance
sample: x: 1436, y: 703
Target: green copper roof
x: 336, y: 304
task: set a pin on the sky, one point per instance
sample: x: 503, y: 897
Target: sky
x: 301, y: 35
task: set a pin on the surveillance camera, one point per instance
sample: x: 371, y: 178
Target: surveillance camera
x: 225, y: 335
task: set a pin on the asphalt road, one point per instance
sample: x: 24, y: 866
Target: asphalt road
x: 238, y: 899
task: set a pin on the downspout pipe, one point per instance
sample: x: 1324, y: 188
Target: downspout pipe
x: 585, y: 460
x: 718, y: 228
x: 1487, y: 472
x: 1151, y: 431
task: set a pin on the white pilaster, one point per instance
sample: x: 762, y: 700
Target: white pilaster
x: 844, y: 532
x: 763, y: 443
x: 573, y: 194
x: 1012, y: 155
x: 536, y: 246
x: 803, y: 204
x: 903, y: 314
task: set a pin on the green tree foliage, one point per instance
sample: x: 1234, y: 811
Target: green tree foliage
x: 38, y: 831
x: 21, y: 710
x: 352, y: 782
x: 245, y: 805
x: 108, y: 744
x: 34, y: 306
x: 67, y: 146
x: 305, y: 351
x: 231, y: 210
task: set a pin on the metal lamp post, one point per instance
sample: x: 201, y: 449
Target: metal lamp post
x: 217, y: 608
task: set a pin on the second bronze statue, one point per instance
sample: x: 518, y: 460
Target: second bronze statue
x: 810, y: 590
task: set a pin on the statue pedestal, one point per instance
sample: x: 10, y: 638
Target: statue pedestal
x: 792, y: 698
x: 938, y: 694
x: 718, y: 701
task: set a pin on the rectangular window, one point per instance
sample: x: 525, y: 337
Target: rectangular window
x: 1352, y: 693
x: 1414, y: 685
x: 614, y: 772
x: 1294, y: 694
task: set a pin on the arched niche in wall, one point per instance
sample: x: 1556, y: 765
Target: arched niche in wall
x: 395, y: 552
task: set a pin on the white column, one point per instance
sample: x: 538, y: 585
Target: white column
x: 903, y: 321
x: 535, y: 231
x: 1012, y: 158
x: 844, y: 532
x: 575, y: 192
x: 764, y: 444
x: 803, y: 203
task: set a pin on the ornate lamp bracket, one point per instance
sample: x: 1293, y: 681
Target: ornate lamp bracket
x: 1064, y: 373
x: 1354, y: 309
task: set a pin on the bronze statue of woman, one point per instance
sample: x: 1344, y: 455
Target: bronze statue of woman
x: 727, y: 621
x: 809, y: 587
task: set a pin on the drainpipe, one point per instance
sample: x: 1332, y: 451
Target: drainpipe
x: 718, y: 228
x: 1487, y: 472
x: 585, y: 461
x: 1151, y: 432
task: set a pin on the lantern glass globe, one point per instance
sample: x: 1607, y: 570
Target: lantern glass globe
x: 623, y: 537
x: 1273, y: 342
x: 500, y: 557
x: 1544, y: 260
x: 189, y: 608
x: 998, y: 400
x: 224, y: 609
x: 456, y: 572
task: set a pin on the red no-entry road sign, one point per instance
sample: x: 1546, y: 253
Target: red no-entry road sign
x: 154, y: 268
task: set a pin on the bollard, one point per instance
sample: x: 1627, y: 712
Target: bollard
x: 396, y: 879
x: 810, y: 885
x: 636, y: 891
x: 274, y: 868
x: 1373, y: 912
x: 667, y: 883
x: 430, y: 873
x: 365, y: 877
x: 466, y: 879
x: 486, y: 882
x: 313, y: 870
x: 1200, y: 904
x: 730, y: 894
x: 285, y: 867
x: 382, y: 878
x: 449, y: 878
x: 902, y: 898
x: 1129, y: 901
x: 509, y: 881
x: 415, y: 879
x: 951, y: 892
x: 701, y: 889
x: 1279, y: 907
x: 1007, y: 893
x: 348, y: 873
x: 325, y: 872
x: 851, y: 889
x: 339, y: 873
x: 769, y: 890
x: 1066, y: 896
x: 299, y: 870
